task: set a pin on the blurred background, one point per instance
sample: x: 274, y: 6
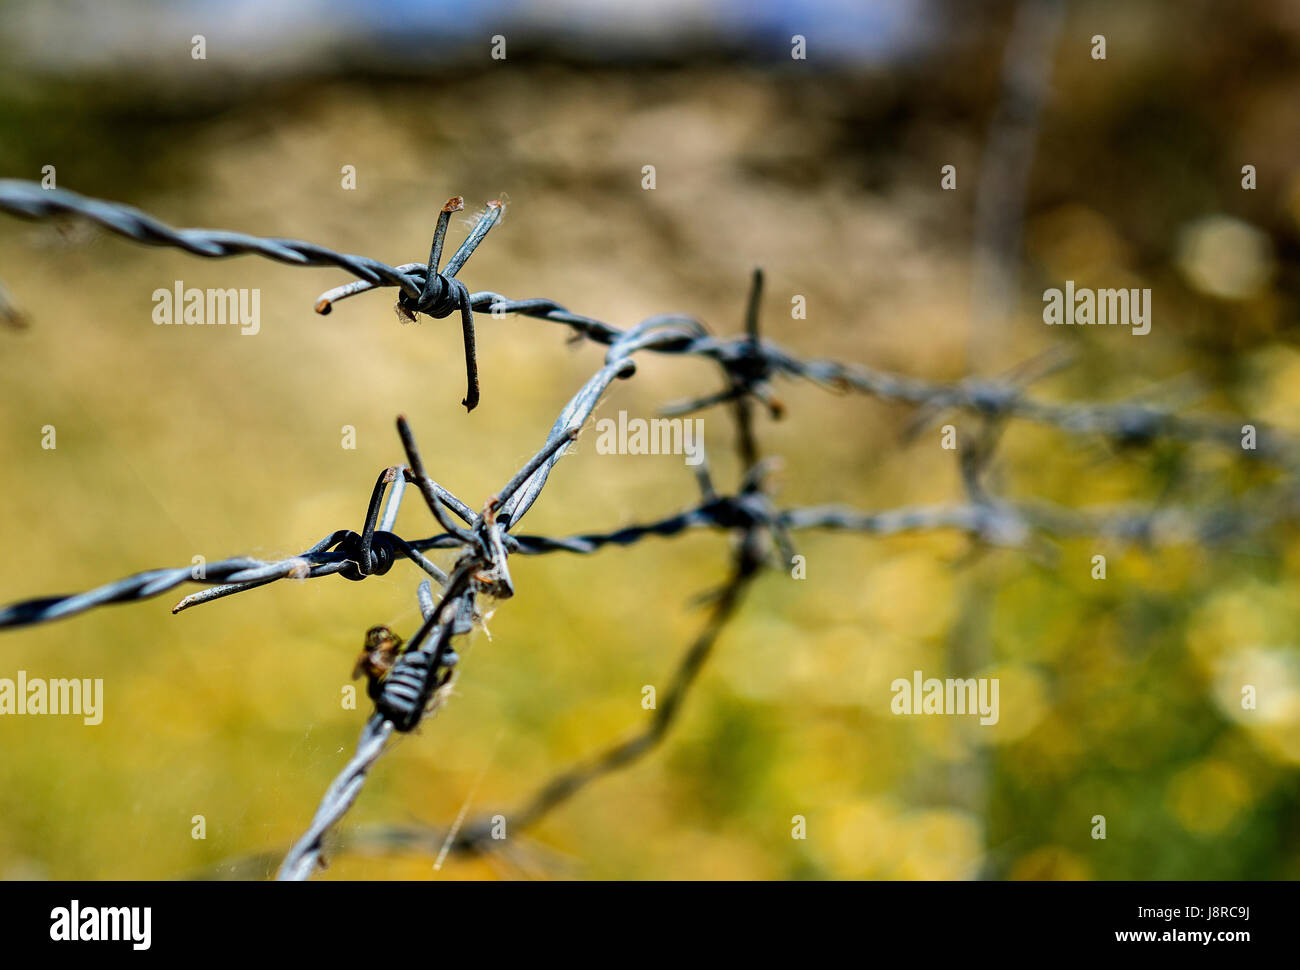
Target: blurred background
x: 1118, y: 698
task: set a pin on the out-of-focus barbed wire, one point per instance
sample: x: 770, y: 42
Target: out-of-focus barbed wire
x: 412, y: 683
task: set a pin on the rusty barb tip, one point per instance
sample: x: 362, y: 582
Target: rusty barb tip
x: 495, y: 204
x: 324, y: 306
x: 454, y: 204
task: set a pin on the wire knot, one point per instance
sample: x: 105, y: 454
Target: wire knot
x: 744, y: 511
x: 382, y: 554
x: 442, y: 294
x: 748, y: 365
x: 493, y: 576
x: 440, y: 297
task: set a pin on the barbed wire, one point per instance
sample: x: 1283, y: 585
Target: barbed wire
x: 996, y: 522
x: 750, y: 362
x: 408, y: 682
x: 483, y: 834
x: 753, y: 515
x: 437, y: 294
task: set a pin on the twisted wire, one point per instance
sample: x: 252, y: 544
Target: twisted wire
x: 31, y: 201
x: 751, y: 362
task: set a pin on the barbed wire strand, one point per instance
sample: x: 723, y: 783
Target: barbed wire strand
x: 750, y: 361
